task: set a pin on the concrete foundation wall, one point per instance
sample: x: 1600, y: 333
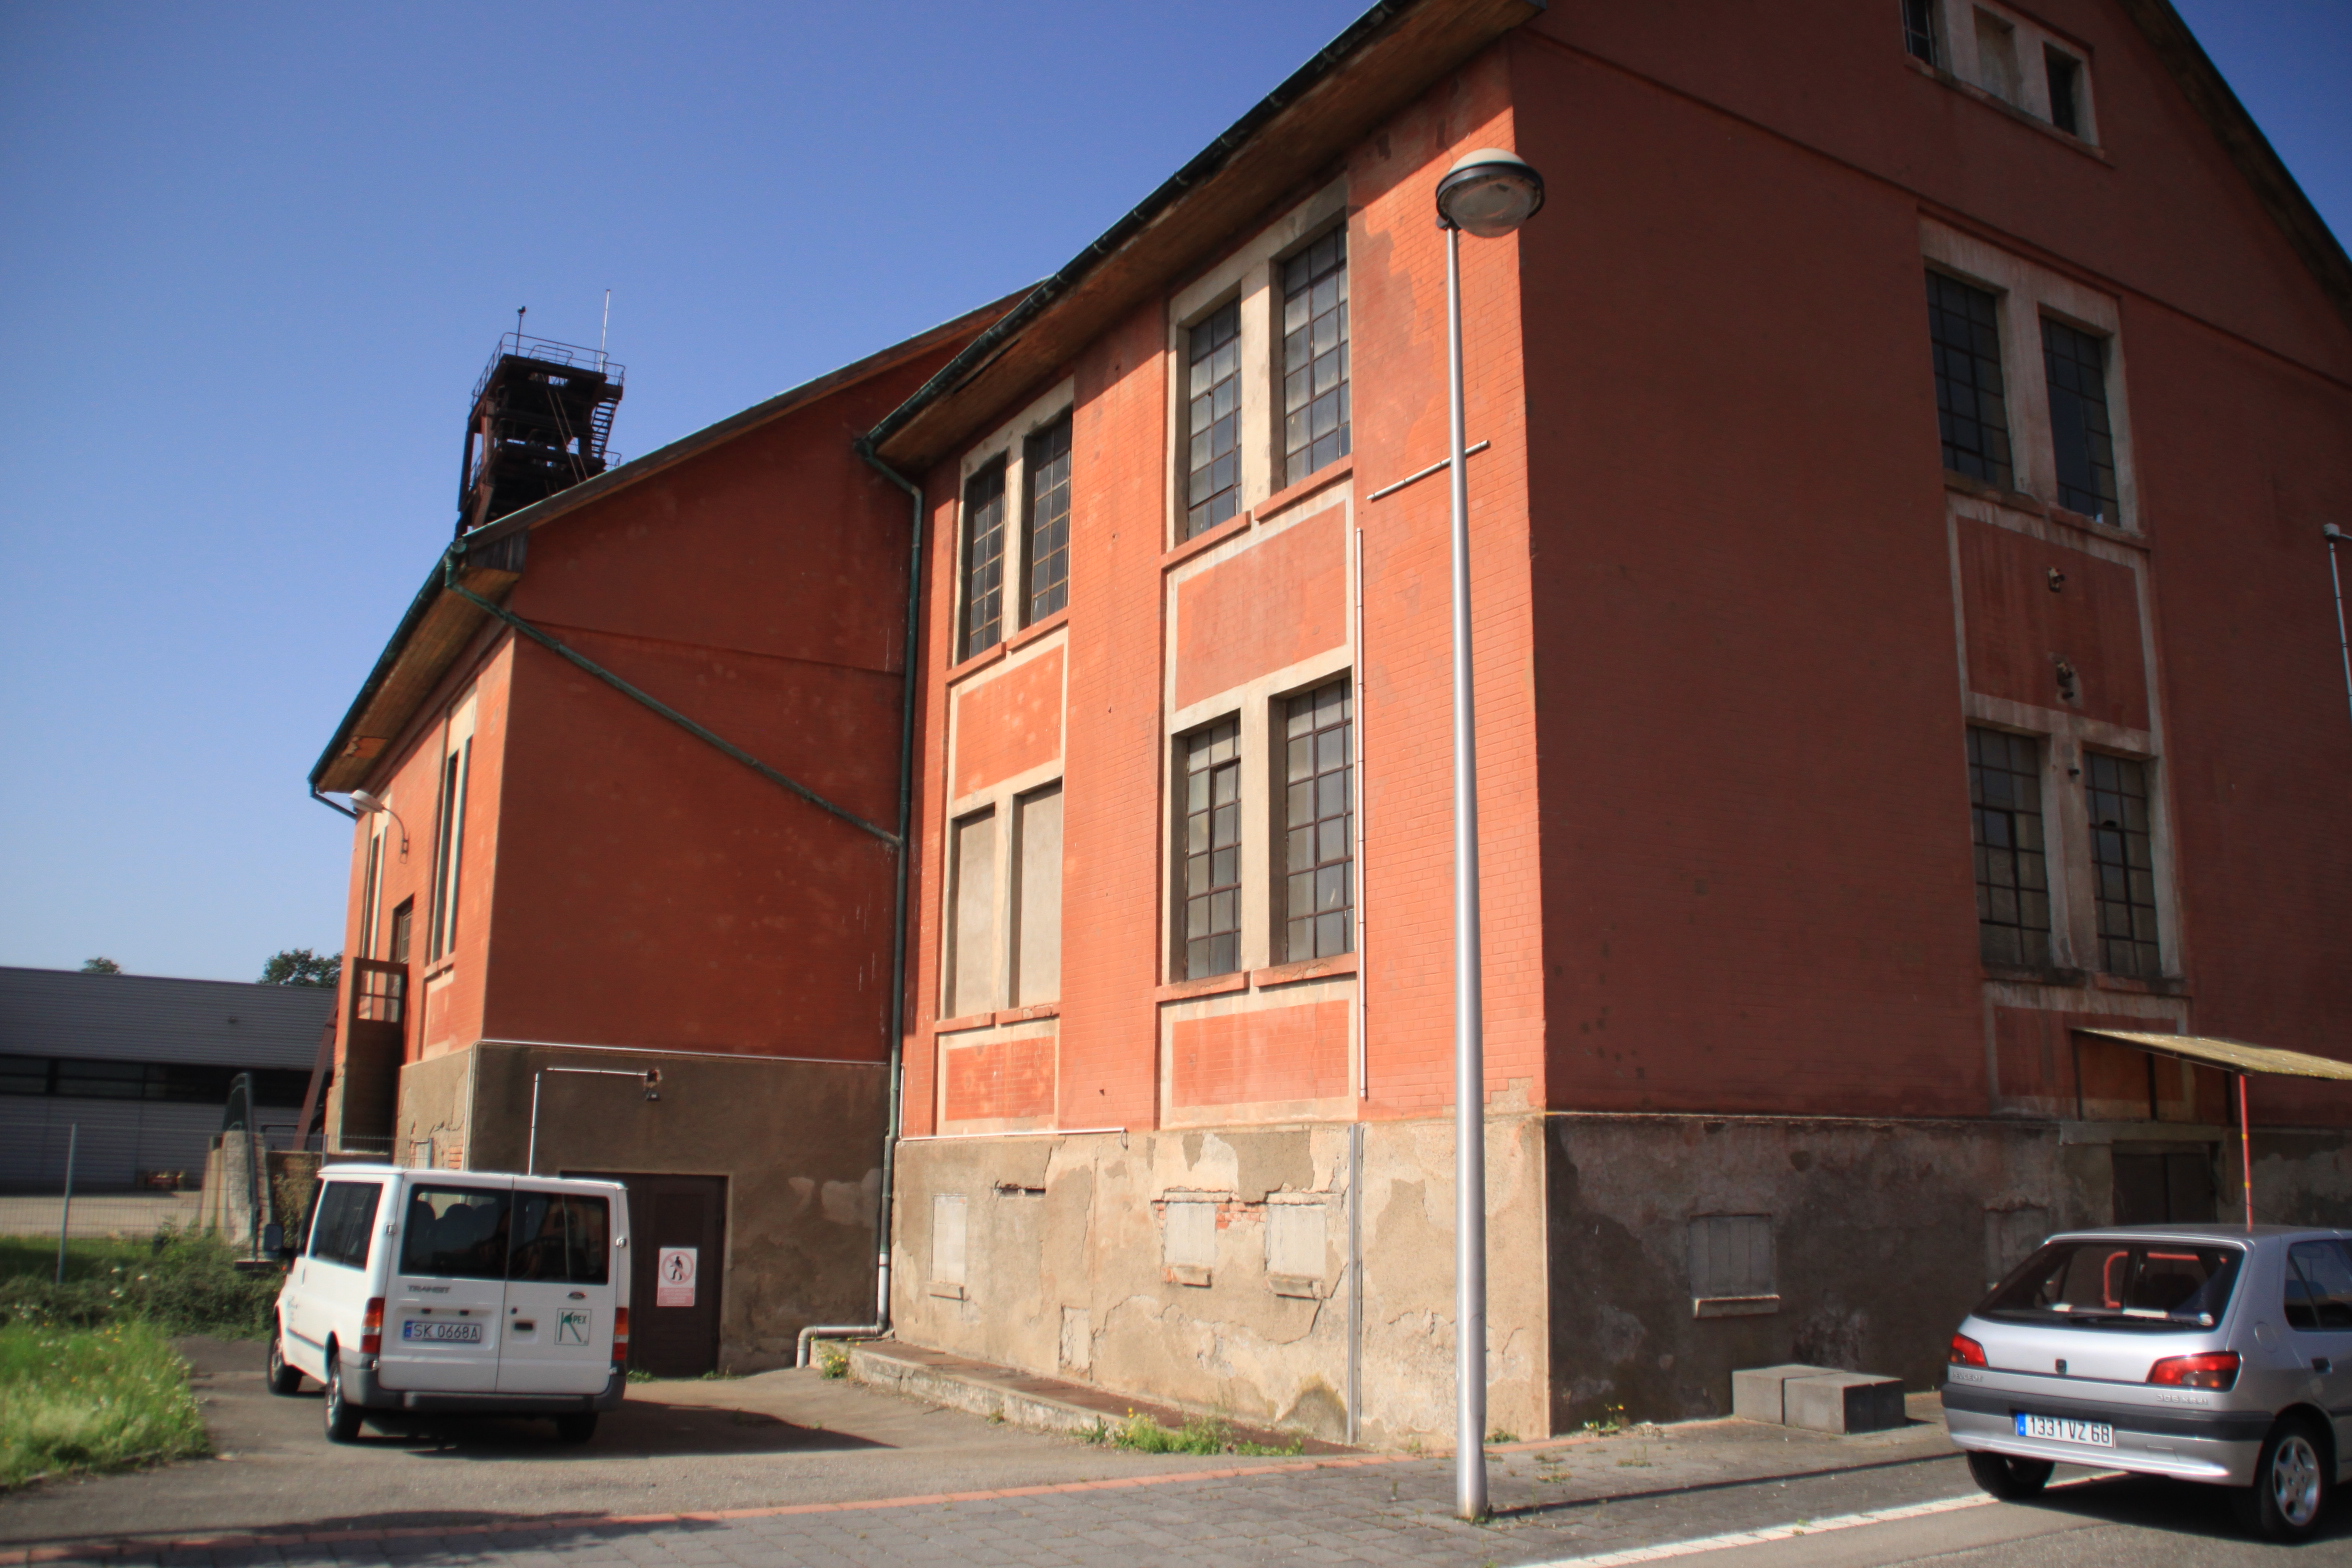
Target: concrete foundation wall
x: 1210, y: 1268
x: 799, y: 1143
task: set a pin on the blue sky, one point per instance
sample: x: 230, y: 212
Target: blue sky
x: 254, y: 257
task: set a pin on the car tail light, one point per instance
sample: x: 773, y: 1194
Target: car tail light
x: 1966, y: 1352
x: 620, y: 1333
x: 371, y: 1328
x: 2216, y: 1369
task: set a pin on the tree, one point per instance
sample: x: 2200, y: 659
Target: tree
x: 301, y: 966
x: 100, y: 966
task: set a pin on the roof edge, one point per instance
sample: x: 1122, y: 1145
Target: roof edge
x: 976, y: 354
x: 2211, y: 95
x: 564, y: 502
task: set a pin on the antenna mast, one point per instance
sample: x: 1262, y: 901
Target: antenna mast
x: 607, y: 330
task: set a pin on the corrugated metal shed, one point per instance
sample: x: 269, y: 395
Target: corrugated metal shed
x: 145, y: 1018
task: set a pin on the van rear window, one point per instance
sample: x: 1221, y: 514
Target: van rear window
x: 346, y: 1222
x: 455, y: 1233
x: 2161, y: 1285
x: 561, y: 1236
x: 481, y: 1233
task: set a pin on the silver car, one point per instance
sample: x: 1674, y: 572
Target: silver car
x: 2209, y: 1353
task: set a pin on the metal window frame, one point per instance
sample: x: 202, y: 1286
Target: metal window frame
x: 1297, y: 463
x: 2031, y: 780
x: 1278, y: 792
x: 968, y: 565
x: 2000, y: 472
x: 1204, y: 737
x: 1231, y: 305
x: 1034, y: 460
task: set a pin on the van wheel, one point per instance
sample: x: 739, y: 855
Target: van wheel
x: 575, y: 1429
x: 2290, y: 1489
x: 2009, y: 1479
x: 342, y: 1416
x: 283, y: 1377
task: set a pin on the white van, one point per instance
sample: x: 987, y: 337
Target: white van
x: 458, y: 1291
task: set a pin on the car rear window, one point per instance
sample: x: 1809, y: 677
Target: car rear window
x: 563, y: 1237
x: 455, y: 1233
x: 2116, y: 1283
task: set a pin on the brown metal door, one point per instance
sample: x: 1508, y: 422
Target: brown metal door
x: 677, y: 1244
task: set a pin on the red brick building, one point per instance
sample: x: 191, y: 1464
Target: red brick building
x: 1829, y: 779
x: 1903, y: 643
x: 569, y: 888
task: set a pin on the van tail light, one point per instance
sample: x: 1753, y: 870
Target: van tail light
x: 1966, y: 1352
x: 371, y: 1328
x: 620, y: 1333
x: 2216, y: 1369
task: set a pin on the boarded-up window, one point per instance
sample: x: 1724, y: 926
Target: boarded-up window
x: 972, y: 967
x: 1037, y: 897
x: 1731, y: 1256
x: 1295, y: 1239
x: 1188, y: 1236
x: 947, y: 1238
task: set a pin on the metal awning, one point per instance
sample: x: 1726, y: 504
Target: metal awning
x: 2237, y: 1056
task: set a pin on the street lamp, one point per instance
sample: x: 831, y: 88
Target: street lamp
x: 1490, y: 192
x: 369, y: 805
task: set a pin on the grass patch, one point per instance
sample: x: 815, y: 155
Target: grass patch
x: 181, y: 1282
x: 1141, y: 1434
x: 92, y: 1399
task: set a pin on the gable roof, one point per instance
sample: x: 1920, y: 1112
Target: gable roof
x: 2200, y: 80
x: 438, y: 624
x: 1385, y: 58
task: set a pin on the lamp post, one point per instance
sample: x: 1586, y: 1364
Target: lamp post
x: 1490, y: 193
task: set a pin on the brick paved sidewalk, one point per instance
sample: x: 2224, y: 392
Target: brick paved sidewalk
x: 1553, y: 1500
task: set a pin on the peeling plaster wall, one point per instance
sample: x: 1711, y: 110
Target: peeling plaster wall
x: 1178, y: 1266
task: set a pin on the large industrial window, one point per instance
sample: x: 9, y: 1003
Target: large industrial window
x: 1964, y: 324
x: 1213, y: 421
x: 984, y: 542
x: 449, y: 848
x: 1315, y: 357
x: 1211, y: 851
x: 2123, y: 862
x: 2081, y: 441
x: 2012, y: 871
x: 1919, y: 28
x: 1318, y: 898
x: 2065, y: 73
x: 1047, y: 547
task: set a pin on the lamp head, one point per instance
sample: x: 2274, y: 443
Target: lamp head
x: 367, y: 802
x: 1489, y: 192
x: 652, y: 1081
x: 2331, y: 533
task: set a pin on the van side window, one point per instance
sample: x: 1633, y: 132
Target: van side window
x: 561, y: 1236
x: 346, y: 1221
x: 455, y: 1233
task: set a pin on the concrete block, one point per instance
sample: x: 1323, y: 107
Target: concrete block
x: 1756, y: 1393
x: 1844, y: 1402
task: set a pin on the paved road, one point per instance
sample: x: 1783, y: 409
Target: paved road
x: 785, y: 1470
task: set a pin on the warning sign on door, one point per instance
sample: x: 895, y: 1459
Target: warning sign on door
x: 674, y: 1277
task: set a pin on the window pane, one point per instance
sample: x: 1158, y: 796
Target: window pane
x: 2081, y: 442
x: 1321, y: 816
x: 346, y: 1223
x: 1048, y: 552
x: 2005, y: 797
x: 1964, y: 328
x: 2121, y: 852
x: 1314, y: 357
x: 559, y: 1236
x: 984, y: 560
x: 455, y: 1233
x: 1919, y: 29
x: 1211, y: 883
x: 1213, y: 490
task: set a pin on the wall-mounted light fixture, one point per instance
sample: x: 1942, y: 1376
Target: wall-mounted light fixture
x: 369, y: 805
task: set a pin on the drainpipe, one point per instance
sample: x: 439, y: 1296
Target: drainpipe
x: 2335, y: 536
x: 898, y: 935
x: 330, y: 805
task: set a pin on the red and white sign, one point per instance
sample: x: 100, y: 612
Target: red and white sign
x: 673, y: 1283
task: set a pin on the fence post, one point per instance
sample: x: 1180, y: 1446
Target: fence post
x: 73, y: 1138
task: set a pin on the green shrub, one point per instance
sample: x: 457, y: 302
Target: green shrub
x: 1199, y: 1435
x: 184, y: 1282
x: 96, y: 1399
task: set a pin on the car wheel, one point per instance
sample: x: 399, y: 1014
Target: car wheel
x: 341, y: 1415
x: 2007, y: 1478
x: 575, y: 1429
x: 284, y: 1378
x: 2290, y: 1489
